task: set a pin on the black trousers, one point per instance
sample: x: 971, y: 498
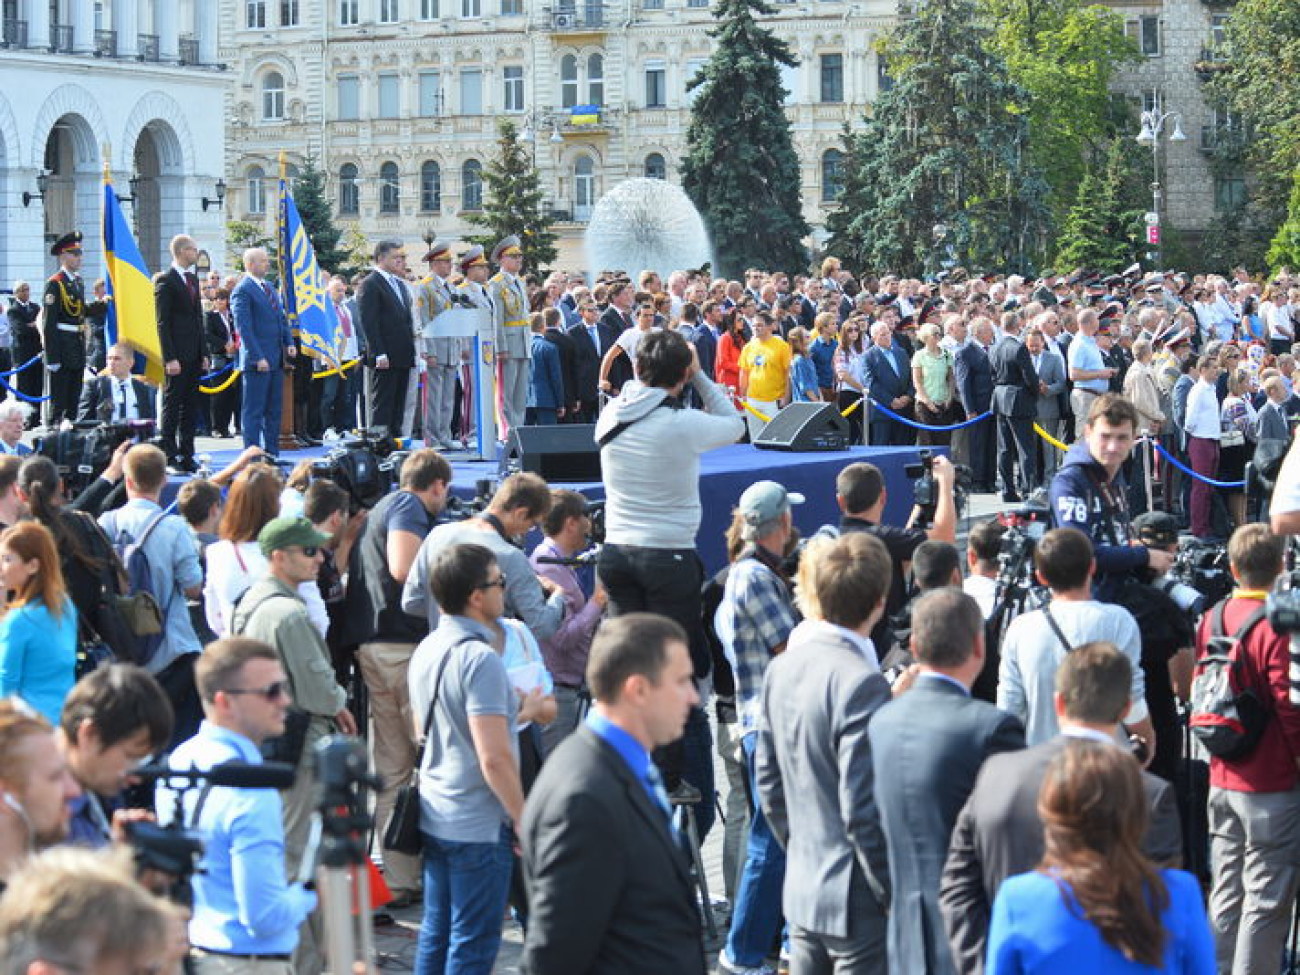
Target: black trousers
x: 180, y: 411
x: 1016, y: 440
x: 31, y: 380
x: 388, y: 398
x: 65, y: 385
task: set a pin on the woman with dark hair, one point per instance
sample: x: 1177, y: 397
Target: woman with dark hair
x: 38, y: 632
x: 850, y: 373
x: 735, y: 334
x: 1095, y: 904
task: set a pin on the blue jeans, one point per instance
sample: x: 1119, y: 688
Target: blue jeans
x: 756, y: 920
x: 465, y: 888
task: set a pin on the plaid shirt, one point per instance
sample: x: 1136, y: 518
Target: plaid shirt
x: 756, y: 614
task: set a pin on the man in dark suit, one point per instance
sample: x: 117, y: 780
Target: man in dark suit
x: 616, y: 320
x: 889, y: 381
x: 1050, y: 369
x: 705, y: 336
x: 384, y: 302
x: 927, y: 747
x: 558, y: 337
x: 178, y: 309
x: 999, y: 834
x: 974, y: 378
x: 592, y: 338
x: 265, y: 340
x: 117, y: 397
x: 23, y: 314
x: 814, y: 754
x: 223, y: 347
x: 609, y: 886
x: 1015, y: 400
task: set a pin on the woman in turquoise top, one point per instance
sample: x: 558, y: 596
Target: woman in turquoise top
x: 38, y: 632
x: 1095, y: 904
x: 803, y: 373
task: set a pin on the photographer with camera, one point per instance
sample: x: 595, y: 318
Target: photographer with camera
x: 117, y: 397
x: 861, y: 496
x: 246, y: 911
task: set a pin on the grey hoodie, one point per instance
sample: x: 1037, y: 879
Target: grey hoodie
x: 652, y: 469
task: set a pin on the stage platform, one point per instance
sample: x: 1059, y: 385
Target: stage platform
x: 724, y: 474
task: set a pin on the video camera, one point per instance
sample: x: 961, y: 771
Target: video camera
x: 458, y: 509
x: 1284, y: 603
x: 83, y: 452
x: 1199, y: 577
x: 366, y: 467
x: 925, y: 490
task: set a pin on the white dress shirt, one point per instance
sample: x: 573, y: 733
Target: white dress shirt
x: 1202, y: 411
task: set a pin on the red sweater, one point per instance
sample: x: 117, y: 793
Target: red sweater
x: 1271, y: 766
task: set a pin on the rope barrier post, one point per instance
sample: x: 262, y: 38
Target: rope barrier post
x: 1150, y: 458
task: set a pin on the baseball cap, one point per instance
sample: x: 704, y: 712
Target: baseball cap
x: 282, y: 533
x: 766, y: 501
x: 1157, y: 528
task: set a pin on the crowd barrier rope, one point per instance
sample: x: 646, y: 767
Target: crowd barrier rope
x: 21, y: 395
x: 927, y: 426
x: 17, y: 369
x: 213, y: 390
x: 1049, y: 438
x: 337, y: 370
x: 217, y: 373
x: 1234, y: 485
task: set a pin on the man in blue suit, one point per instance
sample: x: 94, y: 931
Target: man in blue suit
x: 546, y: 384
x: 705, y: 336
x: 264, y: 342
x: 889, y: 381
x: 974, y: 377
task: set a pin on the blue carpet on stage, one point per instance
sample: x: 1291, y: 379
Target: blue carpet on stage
x: 724, y: 475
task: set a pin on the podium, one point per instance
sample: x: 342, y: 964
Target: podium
x: 475, y: 324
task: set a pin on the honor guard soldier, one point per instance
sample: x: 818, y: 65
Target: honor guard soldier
x: 513, y: 340
x: 473, y: 293
x: 61, y: 328
x: 441, y: 355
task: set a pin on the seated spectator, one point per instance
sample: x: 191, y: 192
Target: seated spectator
x: 1095, y: 903
x: 13, y: 420
x: 38, y: 632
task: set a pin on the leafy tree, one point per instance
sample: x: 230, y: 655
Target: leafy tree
x: 357, y: 250
x: 942, y: 147
x: 513, y: 202
x: 317, y: 217
x: 1104, y: 228
x: 241, y: 235
x: 1284, y: 250
x: 740, y: 169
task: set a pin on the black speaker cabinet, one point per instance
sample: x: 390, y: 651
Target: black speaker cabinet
x: 566, y: 452
x: 806, y: 426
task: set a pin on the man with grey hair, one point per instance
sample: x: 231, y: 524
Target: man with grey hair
x: 265, y: 340
x: 384, y: 304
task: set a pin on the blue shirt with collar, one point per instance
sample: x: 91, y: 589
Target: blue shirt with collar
x: 629, y: 749
x: 242, y: 902
x: 932, y: 675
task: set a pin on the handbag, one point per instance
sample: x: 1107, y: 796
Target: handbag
x: 402, y: 835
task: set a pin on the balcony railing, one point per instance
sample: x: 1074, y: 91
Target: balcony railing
x: 15, y: 33
x: 147, y: 47
x: 189, y: 50
x: 61, y: 39
x: 105, y: 43
x: 576, y: 19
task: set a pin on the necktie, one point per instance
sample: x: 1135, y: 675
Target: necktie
x: 399, y: 289
x: 121, y: 398
x: 192, y: 280
x: 893, y: 362
x: 595, y: 336
x: 657, y: 790
x: 345, y: 321
x: 270, y: 294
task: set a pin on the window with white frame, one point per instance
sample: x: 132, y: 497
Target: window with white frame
x: 272, y: 96
x: 349, y: 190
x: 349, y: 89
x: 471, y: 185
x: 512, y: 8
x: 1229, y: 193
x: 1145, y: 32
x: 471, y: 91
x: 288, y: 13
x: 255, y: 14
x: 471, y: 8
x: 1219, y: 30
x: 256, y: 189
x: 428, y: 9
x: 656, y: 87
x: 390, y: 188
x: 430, y: 94
x: 568, y: 81
x: 584, y: 188
x: 349, y: 13
x: 389, y: 95
x: 832, y: 175
x: 832, y: 77
x: 389, y: 11
x: 512, y: 84
x: 655, y: 167
x: 596, y: 79
x: 430, y: 187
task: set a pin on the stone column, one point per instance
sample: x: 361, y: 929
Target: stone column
x: 206, y: 20
x: 83, y: 26
x: 166, y: 24
x: 126, y: 21
x: 38, y: 24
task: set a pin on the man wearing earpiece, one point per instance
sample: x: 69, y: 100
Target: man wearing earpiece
x: 35, y: 786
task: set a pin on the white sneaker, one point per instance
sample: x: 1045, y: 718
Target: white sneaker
x: 725, y: 964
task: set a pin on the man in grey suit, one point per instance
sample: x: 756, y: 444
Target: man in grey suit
x: 999, y: 834
x: 927, y: 747
x: 1015, y: 397
x: 813, y: 748
x: 1050, y: 368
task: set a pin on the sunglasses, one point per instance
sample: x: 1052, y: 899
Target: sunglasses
x: 270, y: 692
x: 498, y: 583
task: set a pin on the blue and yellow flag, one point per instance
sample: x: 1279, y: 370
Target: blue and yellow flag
x: 302, y: 285
x: 130, y: 290
x: 584, y: 115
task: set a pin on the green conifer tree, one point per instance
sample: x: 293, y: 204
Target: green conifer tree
x: 317, y: 216
x: 513, y: 202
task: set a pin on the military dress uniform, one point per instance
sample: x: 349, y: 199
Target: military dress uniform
x: 512, y: 338
x: 64, y: 313
x: 472, y: 295
x: 433, y: 297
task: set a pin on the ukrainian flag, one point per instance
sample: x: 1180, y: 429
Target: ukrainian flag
x: 130, y: 290
x: 302, y: 286
x: 584, y: 115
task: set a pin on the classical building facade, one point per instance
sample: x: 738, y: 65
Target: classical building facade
x: 397, y: 100
x: 134, y: 84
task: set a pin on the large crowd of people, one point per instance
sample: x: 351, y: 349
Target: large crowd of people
x: 914, y: 780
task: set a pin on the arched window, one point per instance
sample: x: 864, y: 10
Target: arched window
x: 596, y: 79
x: 256, y: 189
x: 568, y: 81
x: 471, y: 185
x: 584, y: 188
x: 655, y: 167
x: 349, y: 195
x: 390, y: 189
x: 430, y: 187
x: 832, y: 175
x: 272, y: 96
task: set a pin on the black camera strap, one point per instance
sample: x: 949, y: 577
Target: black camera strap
x: 1056, y: 628
x: 500, y: 529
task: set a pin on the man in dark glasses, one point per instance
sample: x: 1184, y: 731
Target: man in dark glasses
x: 273, y: 612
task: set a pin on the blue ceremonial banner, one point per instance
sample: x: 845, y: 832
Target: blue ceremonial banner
x: 302, y: 286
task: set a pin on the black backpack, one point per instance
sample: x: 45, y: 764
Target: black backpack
x: 1228, y: 712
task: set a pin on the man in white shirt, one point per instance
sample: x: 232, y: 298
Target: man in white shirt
x: 983, y: 545
x: 1202, y: 427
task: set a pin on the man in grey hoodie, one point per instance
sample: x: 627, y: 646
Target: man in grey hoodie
x: 650, y: 450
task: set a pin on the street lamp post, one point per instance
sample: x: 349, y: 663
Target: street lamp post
x: 1153, y: 124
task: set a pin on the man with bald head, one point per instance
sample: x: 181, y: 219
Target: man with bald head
x: 265, y: 341
x: 178, y: 309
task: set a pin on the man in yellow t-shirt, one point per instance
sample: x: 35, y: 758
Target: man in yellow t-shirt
x: 764, y: 373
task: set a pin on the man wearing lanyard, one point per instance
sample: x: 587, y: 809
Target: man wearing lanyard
x: 598, y: 819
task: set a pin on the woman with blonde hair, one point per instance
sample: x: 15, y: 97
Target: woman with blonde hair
x: 936, y: 385
x: 803, y: 374
x: 1236, y: 440
x: 38, y: 632
x: 1095, y: 904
